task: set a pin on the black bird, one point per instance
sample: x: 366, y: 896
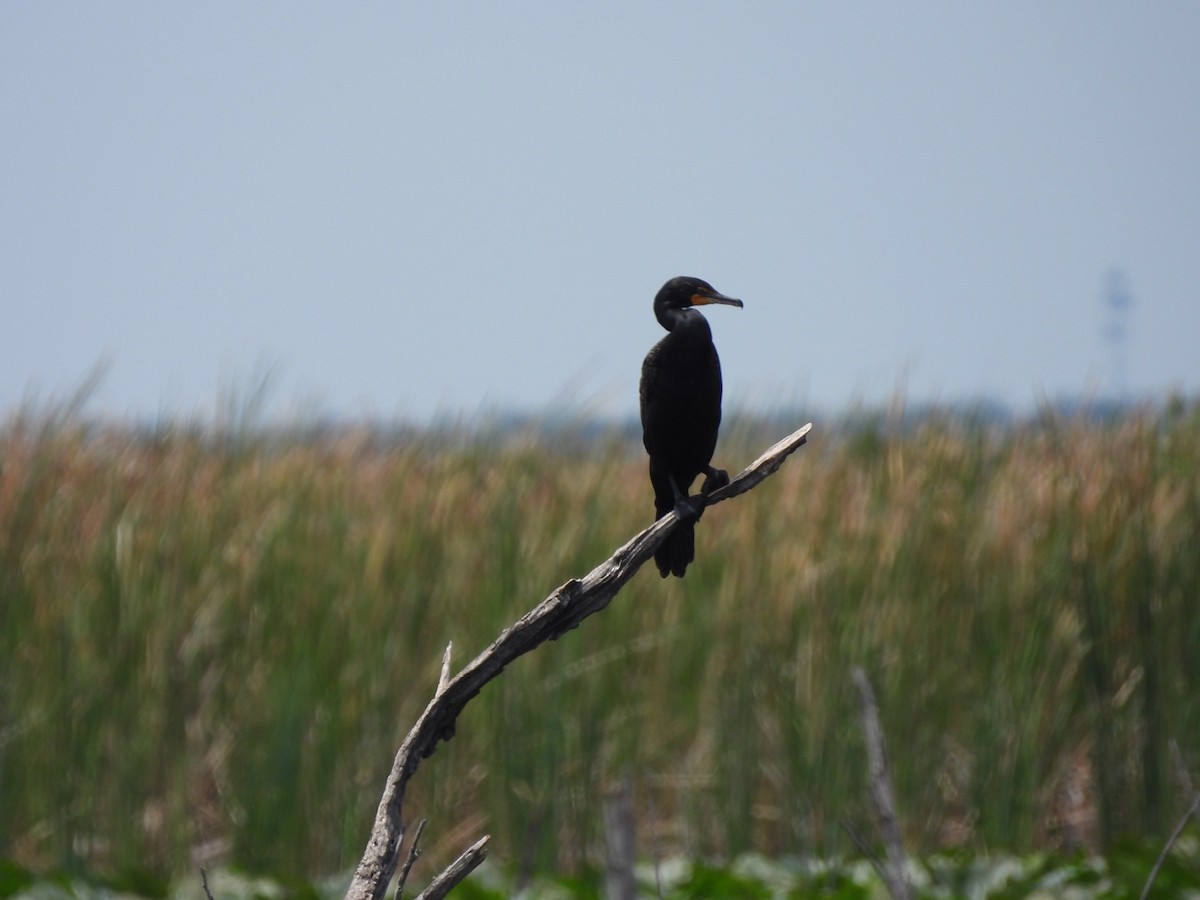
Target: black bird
x: 681, y: 411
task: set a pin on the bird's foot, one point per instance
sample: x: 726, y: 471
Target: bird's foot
x: 714, y: 480
x: 689, y: 507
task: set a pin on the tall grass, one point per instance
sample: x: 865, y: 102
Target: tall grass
x: 210, y: 648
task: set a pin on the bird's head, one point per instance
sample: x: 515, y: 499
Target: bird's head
x: 685, y: 291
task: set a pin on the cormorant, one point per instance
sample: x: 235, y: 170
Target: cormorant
x: 681, y: 411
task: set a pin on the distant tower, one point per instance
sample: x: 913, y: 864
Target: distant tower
x: 1118, y: 301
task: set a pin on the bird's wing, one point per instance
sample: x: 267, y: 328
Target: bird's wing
x: 649, y: 381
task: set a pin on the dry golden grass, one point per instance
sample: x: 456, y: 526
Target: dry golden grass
x: 212, y: 644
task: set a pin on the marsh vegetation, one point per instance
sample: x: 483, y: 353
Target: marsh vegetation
x: 212, y: 642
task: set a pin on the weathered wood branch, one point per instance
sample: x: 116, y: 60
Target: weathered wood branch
x: 456, y: 871
x: 559, y: 613
x: 880, y: 778
x: 414, y: 853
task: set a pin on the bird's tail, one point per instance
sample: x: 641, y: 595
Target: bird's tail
x: 679, y: 549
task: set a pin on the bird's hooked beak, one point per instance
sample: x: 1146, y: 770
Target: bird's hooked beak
x: 703, y: 298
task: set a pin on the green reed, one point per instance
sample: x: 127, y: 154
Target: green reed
x: 211, y: 646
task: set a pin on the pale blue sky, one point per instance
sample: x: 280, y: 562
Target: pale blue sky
x: 411, y: 209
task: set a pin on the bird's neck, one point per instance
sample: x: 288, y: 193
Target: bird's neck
x: 679, y: 319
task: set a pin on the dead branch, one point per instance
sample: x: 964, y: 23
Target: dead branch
x: 559, y: 613
x: 620, y: 882
x: 1162, y: 856
x: 456, y: 871
x: 865, y: 849
x: 414, y: 852
x: 881, y: 791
